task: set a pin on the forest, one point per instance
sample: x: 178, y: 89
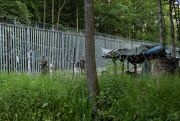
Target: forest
x: 128, y: 18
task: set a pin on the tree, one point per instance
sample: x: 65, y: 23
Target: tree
x: 52, y: 14
x: 90, y: 53
x: 16, y: 10
x: 44, y: 19
x: 77, y: 17
x: 161, y: 29
x: 172, y: 26
x: 131, y: 18
x: 59, y: 11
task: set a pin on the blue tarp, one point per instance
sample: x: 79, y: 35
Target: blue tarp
x: 157, y: 50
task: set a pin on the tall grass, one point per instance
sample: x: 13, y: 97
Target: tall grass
x: 42, y: 98
x: 58, y: 97
x: 143, y: 98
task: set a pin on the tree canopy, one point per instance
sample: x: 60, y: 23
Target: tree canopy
x: 136, y: 19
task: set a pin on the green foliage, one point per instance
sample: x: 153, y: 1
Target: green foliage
x: 135, y: 19
x: 130, y: 18
x: 15, y: 9
x: 24, y: 13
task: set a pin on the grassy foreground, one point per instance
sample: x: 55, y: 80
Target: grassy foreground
x: 57, y: 98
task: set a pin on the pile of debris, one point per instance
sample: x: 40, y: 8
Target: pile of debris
x: 145, y: 53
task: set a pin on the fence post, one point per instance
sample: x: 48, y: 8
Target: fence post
x: 8, y: 49
x: 63, y: 56
x: 28, y: 50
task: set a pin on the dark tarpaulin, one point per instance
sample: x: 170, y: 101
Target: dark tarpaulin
x: 134, y: 56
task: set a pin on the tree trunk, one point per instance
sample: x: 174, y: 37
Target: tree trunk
x: 77, y: 17
x: 59, y: 12
x: 44, y: 20
x: 172, y: 27
x: 177, y: 16
x: 161, y: 29
x: 178, y: 28
x: 52, y: 14
x: 90, y: 54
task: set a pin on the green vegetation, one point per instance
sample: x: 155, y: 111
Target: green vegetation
x: 42, y: 98
x: 25, y: 97
x: 136, y: 19
x: 145, y: 98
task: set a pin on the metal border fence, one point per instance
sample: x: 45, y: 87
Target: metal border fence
x: 22, y: 48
